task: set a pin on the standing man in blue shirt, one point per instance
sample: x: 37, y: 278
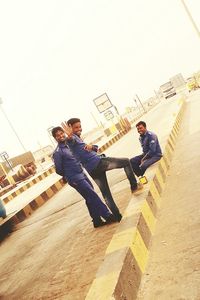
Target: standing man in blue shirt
x: 96, y: 165
x: 151, y: 150
x: 67, y: 166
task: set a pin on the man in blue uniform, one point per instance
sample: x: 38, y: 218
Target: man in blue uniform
x: 67, y: 166
x: 96, y: 165
x: 151, y: 150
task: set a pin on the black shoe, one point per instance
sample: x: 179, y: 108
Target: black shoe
x: 138, y: 187
x: 111, y: 219
x: 118, y: 217
x: 98, y: 223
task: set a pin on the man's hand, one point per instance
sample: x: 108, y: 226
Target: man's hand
x: 88, y: 147
x: 67, y: 129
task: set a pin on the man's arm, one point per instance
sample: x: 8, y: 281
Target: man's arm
x: 153, y: 140
x: 91, y: 147
x: 58, y: 163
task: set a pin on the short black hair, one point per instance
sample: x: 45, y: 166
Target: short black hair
x: 55, y: 130
x: 72, y: 121
x: 141, y: 123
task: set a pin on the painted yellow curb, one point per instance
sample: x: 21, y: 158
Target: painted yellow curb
x: 119, y: 276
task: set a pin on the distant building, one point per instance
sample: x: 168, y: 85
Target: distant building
x: 43, y: 154
x: 178, y: 82
x: 24, y: 159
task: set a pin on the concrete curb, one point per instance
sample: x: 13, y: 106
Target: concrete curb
x: 119, y: 276
x: 22, y: 213
x: 113, y: 140
x: 23, y: 188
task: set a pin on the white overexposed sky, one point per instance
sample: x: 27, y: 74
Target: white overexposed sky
x: 56, y: 56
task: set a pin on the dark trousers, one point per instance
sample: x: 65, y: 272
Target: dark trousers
x: 140, y: 168
x: 94, y: 204
x: 99, y: 176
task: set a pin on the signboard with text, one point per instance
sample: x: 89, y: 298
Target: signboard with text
x: 102, y: 103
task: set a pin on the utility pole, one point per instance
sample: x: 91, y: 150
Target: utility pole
x: 191, y: 18
x: 137, y: 104
x: 140, y: 102
x: 157, y: 96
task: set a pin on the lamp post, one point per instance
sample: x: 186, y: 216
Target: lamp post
x: 137, y: 104
x: 140, y: 103
x: 11, y: 126
x: 4, y: 156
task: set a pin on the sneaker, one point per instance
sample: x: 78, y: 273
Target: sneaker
x: 98, y: 223
x: 111, y: 219
x: 138, y: 187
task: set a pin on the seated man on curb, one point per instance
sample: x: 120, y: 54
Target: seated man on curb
x: 97, y: 166
x: 67, y: 166
x: 151, y: 150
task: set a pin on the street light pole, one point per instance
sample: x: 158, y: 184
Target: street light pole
x: 140, y: 102
x: 9, y: 122
x: 137, y: 104
x: 191, y: 18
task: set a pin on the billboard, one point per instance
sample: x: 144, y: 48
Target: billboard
x: 102, y: 103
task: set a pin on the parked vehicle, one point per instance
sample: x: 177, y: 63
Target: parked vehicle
x: 192, y: 84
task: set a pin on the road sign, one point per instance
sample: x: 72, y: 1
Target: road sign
x: 5, y: 157
x: 109, y: 115
x: 102, y: 103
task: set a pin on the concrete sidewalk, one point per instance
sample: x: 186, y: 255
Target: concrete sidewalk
x: 173, y: 270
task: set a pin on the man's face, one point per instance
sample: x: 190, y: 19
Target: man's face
x: 141, y: 129
x: 76, y: 128
x: 60, y: 136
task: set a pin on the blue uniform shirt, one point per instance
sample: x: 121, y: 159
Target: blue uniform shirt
x: 66, y: 164
x: 150, y: 144
x: 89, y: 159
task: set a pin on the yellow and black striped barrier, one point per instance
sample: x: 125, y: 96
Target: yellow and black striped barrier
x: 26, y: 186
x: 119, y: 275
